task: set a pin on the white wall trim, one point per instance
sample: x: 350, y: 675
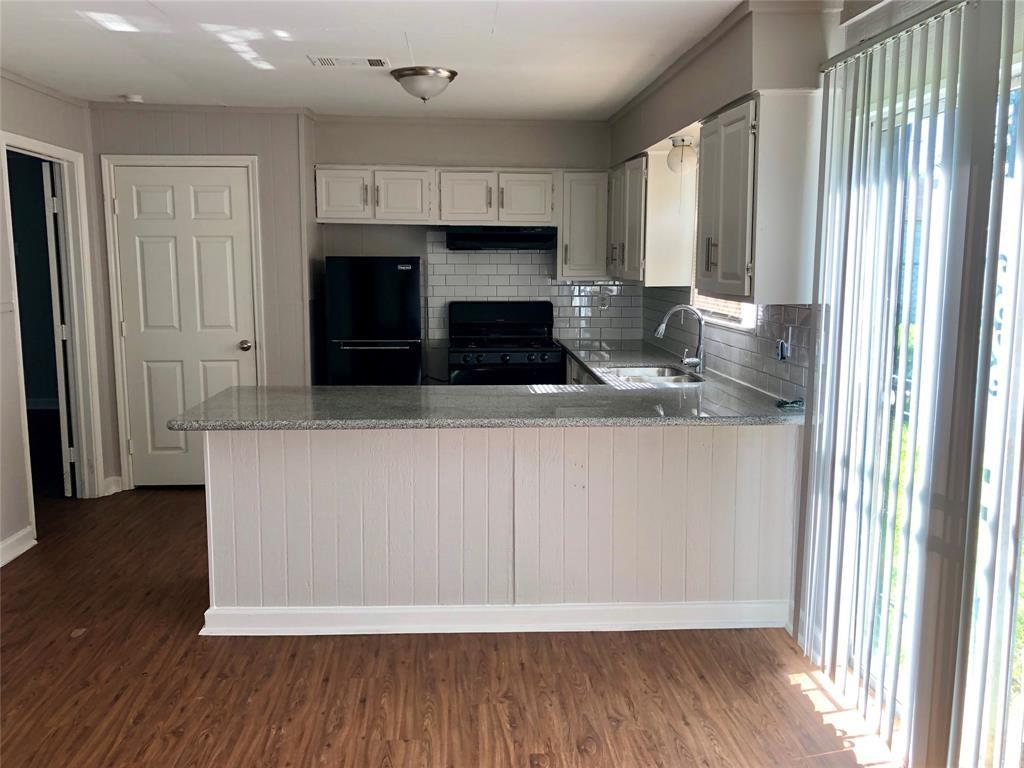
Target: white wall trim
x: 85, y: 368
x: 17, y: 544
x: 573, y: 617
x: 109, y: 164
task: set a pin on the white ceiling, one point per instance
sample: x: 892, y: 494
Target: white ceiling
x: 547, y: 59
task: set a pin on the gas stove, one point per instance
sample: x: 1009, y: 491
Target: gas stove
x: 503, y: 342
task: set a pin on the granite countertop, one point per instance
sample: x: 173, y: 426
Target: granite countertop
x: 717, y: 400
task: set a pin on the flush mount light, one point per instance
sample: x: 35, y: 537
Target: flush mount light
x: 424, y: 82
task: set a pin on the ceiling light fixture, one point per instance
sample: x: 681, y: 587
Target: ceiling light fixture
x: 424, y: 82
x: 674, y: 159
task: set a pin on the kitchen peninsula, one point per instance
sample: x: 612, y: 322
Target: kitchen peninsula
x: 498, y: 508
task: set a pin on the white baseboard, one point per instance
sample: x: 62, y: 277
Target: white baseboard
x: 111, y: 485
x: 17, y: 544
x: 575, y: 617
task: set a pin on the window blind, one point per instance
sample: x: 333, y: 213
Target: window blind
x: 886, y: 496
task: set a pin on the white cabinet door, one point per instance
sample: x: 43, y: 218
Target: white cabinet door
x: 185, y: 265
x: 731, y: 251
x: 709, y: 183
x: 344, y: 193
x: 635, y: 205
x: 469, y: 196
x: 584, y: 231
x: 402, y: 195
x: 616, y: 220
x: 525, y: 197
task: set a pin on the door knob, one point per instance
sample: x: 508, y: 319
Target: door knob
x: 245, y: 345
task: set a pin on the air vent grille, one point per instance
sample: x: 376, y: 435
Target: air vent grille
x: 348, y: 62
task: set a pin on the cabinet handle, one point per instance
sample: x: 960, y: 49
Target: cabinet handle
x: 707, y: 254
x: 714, y: 250
x: 366, y: 194
x: 489, y: 191
x: 565, y: 253
x: 376, y: 196
x: 501, y: 197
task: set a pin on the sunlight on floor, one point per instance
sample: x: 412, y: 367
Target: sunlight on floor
x: 867, y: 747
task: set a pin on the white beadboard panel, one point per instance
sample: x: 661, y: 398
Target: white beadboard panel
x: 655, y: 514
x: 366, y: 517
x: 489, y: 517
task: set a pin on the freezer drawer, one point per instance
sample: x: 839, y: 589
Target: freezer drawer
x: 369, y: 363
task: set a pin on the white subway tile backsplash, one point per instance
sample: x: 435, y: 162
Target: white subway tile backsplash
x: 745, y: 355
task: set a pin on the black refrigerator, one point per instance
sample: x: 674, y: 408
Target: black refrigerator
x: 374, y: 328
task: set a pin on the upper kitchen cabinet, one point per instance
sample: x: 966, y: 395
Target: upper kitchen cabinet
x: 391, y: 195
x: 468, y: 195
x: 344, y: 193
x: 583, y: 235
x: 403, y: 195
x: 650, y: 221
x: 526, y: 198
x: 757, y: 191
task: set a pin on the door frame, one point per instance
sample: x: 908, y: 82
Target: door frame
x: 90, y: 476
x: 109, y: 165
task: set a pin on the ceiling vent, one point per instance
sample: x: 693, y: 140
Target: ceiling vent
x: 348, y: 62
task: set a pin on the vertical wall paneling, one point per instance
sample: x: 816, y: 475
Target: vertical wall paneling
x: 699, y: 516
x: 399, y: 459
x: 749, y: 499
x: 499, y: 514
x: 449, y: 515
x: 551, y: 508
x: 375, y: 465
x: 325, y: 492
x: 248, y: 513
x: 645, y: 515
x: 298, y: 516
x: 575, y: 521
x: 675, y: 495
x: 273, y: 518
x: 349, y: 527
x: 220, y: 506
x: 722, y: 521
x: 624, y: 513
x: 651, y: 510
x: 426, y: 533
x: 474, y: 522
x: 599, y: 514
x: 526, y: 529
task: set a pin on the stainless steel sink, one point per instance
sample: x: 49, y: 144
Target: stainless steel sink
x: 657, y: 375
x: 659, y: 372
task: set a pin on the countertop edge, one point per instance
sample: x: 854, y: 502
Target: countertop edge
x: 297, y: 425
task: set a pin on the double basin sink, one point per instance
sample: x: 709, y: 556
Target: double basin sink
x: 657, y: 376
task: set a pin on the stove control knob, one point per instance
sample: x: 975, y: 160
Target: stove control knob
x: 506, y: 357
x: 531, y: 357
x: 544, y: 357
x: 467, y: 357
x: 479, y: 357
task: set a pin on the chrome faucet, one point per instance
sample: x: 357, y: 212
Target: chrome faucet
x: 697, y: 361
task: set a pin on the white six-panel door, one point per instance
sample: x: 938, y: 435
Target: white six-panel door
x: 185, y: 258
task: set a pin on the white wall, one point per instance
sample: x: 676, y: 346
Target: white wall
x: 38, y: 113
x: 752, y: 49
x: 521, y: 143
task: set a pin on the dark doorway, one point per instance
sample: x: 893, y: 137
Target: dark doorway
x: 36, y: 233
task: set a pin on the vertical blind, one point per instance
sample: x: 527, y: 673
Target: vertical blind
x: 993, y: 702
x: 892, y: 408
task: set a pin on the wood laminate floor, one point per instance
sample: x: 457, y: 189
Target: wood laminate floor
x: 102, y: 666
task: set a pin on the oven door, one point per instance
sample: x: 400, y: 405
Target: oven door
x: 520, y: 374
